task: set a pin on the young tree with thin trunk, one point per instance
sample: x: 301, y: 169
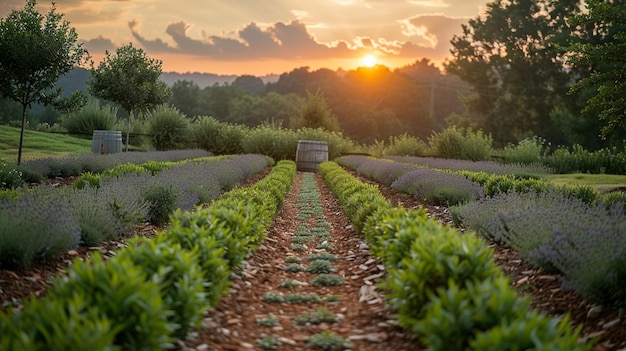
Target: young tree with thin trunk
x: 130, y: 79
x: 35, y: 51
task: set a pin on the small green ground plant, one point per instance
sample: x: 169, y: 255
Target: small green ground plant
x: 328, y: 341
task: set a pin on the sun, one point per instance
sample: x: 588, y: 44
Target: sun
x: 368, y: 60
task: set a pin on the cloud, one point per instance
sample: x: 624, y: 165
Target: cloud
x: 433, y: 30
x: 429, y: 3
x: 278, y: 40
x: 99, y: 44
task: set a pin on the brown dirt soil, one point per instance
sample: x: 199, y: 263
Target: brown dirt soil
x: 366, y: 321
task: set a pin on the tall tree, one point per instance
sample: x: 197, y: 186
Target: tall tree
x: 130, y: 79
x: 603, y: 52
x: 510, y: 57
x: 36, y: 50
x: 186, y: 97
x: 315, y: 113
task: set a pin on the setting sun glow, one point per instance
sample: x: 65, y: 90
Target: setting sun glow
x: 369, y: 60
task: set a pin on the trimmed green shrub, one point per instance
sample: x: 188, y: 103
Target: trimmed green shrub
x: 124, y: 294
x: 179, y: 276
x: 459, y: 317
x: 57, y: 324
x: 457, y: 312
x: 192, y: 235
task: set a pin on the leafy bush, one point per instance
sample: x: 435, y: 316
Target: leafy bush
x: 534, y: 332
x: 405, y: 145
x: 179, y: 277
x: 459, y: 317
x: 461, y: 144
x: 91, y: 117
x: 193, y: 235
x: 275, y: 142
x: 434, y: 258
x: 527, y: 151
x: 477, y: 146
x: 35, y: 228
x: 10, y: 176
x: 579, y: 160
x: 123, y: 293
x: 57, y: 324
x: 167, y: 128
x: 162, y: 201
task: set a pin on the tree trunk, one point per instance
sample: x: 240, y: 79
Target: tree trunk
x: 19, y: 150
x: 130, y: 113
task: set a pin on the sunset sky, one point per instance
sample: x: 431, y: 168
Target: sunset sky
x: 262, y: 37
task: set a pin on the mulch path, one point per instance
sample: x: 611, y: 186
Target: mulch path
x: 366, y: 321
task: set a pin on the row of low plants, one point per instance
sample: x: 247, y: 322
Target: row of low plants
x: 41, y: 222
x: 155, y: 291
x: 445, y: 286
x: 434, y: 186
x: 573, y: 231
x: 312, y: 233
x: 441, y: 186
x: 34, y: 171
x: 520, y: 170
x: 560, y: 233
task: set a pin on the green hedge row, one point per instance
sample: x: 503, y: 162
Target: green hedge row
x: 155, y: 291
x: 445, y: 286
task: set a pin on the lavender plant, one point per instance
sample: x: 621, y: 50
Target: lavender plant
x: 490, y: 167
x: 35, y: 228
x: 90, y: 162
x: 561, y: 232
x: 438, y: 187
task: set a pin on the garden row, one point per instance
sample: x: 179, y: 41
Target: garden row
x: 155, y: 291
x: 570, y: 230
x: 312, y: 232
x: 445, y: 286
x: 44, y: 221
x: 34, y: 171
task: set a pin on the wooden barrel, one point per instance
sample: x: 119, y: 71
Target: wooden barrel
x: 310, y: 154
x: 106, y: 141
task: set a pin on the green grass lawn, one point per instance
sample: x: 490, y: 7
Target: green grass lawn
x: 602, y: 182
x: 39, y: 144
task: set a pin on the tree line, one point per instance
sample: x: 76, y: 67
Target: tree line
x: 526, y: 68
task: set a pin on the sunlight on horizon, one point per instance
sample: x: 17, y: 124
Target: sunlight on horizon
x: 369, y: 60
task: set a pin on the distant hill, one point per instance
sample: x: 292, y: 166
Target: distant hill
x: 207, y: 79
x: 77, y: 79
